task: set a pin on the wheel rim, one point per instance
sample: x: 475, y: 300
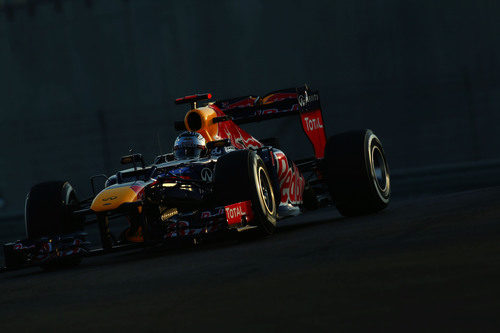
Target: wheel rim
x: 379, y: 169
x: 265, y: 191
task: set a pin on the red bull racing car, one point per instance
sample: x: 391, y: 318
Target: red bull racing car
x: 218, y: 179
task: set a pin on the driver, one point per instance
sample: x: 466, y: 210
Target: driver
x: 189, y: 145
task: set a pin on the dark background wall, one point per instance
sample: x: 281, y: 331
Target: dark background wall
x: 82, y: 82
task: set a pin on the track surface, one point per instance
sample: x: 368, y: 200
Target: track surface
x: 426, y: 264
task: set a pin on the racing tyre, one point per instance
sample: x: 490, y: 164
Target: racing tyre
x: 49, y: 208
x: 357, y: 173
x: 241, y: 176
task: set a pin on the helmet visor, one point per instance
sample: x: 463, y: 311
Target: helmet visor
x: 182, y: 153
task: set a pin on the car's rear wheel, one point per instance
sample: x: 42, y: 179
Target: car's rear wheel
x: 357, y: 173
x: 242, y: 176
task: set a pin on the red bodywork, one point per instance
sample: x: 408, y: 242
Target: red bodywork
x: 301, y: 101
x: 236, y: 212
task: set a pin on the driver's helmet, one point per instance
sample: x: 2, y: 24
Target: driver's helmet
x: 189, y: 145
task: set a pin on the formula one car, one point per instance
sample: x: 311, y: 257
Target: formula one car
x: 219, y: 179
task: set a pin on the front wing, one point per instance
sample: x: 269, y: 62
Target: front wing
x: 26, y: 253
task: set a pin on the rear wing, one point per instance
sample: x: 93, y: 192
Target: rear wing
x: 281, y: 103
x: 249, y: 109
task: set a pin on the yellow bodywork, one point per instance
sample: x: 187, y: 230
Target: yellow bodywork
x: 112, y: 198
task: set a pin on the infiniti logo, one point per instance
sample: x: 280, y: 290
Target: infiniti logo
x: 206, y: 175
x: 304, y: 100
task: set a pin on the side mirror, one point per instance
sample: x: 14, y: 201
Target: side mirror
x: 164, y: 158
x: 133, y: 159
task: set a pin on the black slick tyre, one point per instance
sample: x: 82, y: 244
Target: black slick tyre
x: 48, y: 210
x: 356, y: 172
x: 241, y: 176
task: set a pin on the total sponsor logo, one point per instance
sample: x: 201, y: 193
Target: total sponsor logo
x: 233, y: 213
x: 313, y: 124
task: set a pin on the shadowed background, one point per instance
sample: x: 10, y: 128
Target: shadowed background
x: 82, y: 82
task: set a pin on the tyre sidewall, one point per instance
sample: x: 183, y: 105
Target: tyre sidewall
x: 350, y: 173
x: 379, y: 191
x: 265, y: 214
x: 237, y: 179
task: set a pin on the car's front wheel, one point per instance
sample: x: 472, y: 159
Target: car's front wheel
x: 49, y: 207
x: 242, y: 176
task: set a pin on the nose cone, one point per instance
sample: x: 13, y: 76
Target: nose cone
x: 112, y: 198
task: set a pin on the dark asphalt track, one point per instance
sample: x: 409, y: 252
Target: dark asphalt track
x: 425, y: 264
